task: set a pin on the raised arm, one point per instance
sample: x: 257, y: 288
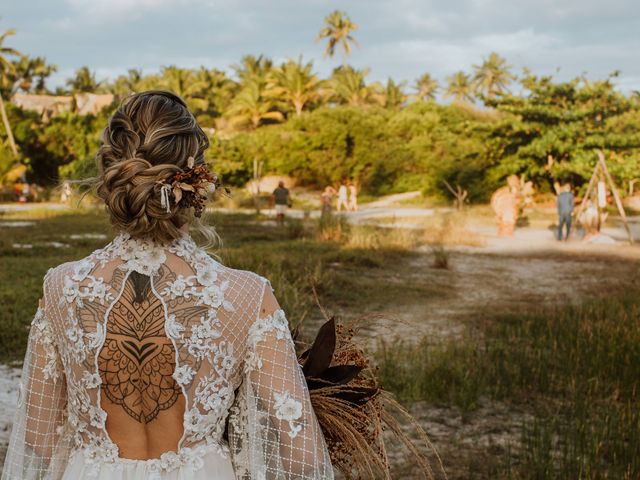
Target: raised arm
x: 274, y: 433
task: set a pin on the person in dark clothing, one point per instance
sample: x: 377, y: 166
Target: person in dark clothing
x: 282, y: 201
x: 565, y: 210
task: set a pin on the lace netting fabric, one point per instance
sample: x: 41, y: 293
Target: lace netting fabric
x: 220, y: 340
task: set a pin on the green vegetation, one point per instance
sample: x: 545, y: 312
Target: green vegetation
x: 345, y: 271
x: 576, y: 369
x: 321, y: 130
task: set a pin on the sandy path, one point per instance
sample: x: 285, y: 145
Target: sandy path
x: 527, y: 271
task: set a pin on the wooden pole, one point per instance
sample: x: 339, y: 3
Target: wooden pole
x: 616, y: 197
x: 588, y: 192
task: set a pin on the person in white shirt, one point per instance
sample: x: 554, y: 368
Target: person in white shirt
x: 342, y: 197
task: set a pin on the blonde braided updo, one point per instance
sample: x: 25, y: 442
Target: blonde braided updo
x: 148, y: 140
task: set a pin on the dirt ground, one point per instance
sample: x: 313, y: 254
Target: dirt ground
x: 526, y: 271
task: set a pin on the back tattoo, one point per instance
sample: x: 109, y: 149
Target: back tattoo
x: 137, y: 360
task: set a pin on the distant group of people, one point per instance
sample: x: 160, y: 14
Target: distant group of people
x: 347, y: 194
x: 347, y: 198
x: 24, y: 192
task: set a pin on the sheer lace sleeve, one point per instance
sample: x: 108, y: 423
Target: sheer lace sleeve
x: 34, y: 442
x: 273, y: 431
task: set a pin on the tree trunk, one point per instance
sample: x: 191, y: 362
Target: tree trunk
x: 7, y: 127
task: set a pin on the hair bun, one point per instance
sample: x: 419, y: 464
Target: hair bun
x: 148, y: 140
x: 130, y: 191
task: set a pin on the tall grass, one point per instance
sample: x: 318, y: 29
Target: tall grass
x: 576, y: 368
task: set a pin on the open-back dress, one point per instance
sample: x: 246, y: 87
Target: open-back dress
x: 156, y: 361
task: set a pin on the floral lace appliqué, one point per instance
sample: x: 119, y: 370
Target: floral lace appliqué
x: 43, y: 335
x: 288, y: 409
x: 276, y: 322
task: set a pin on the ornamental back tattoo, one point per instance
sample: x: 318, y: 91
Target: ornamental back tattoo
x: 137, y: 360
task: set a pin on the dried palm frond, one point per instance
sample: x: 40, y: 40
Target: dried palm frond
x: 353, y: 410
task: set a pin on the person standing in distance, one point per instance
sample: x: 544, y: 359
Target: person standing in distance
x: 565, y: 206
x: 353, y: 197
x: 342, y: 197
x: 282, y: 200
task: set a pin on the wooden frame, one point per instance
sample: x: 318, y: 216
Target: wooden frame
x: 601, y: 167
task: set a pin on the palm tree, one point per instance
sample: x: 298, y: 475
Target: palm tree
x: 426, y: 88
x: 184, y: 83
x: 126, y: 84
x: 30, y: 69
x: 6, y: 69
x: 493, y: 76
x: 252, y: 106
x: 459, y: 87
x: 393, y: 96
x: 338, y: 31
x: 219, y: 90
x: 348, y: 86
x: 84, y: 81
x: 295, y: 84
x: 253, y: 69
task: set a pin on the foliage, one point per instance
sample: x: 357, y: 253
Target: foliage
x: 296, y: 85
x: 459, y: 87
x: 492, y: 77
x: 338, y: 31
x: 552, y: 132
x: 84, y: 81
x: 323, y: 130
x: 426, y: 88
x: 414, y: 148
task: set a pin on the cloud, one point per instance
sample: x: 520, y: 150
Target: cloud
x: 520, y: 41
x: 443, y: 57
x: 123, y: 10
x: 401, y: 39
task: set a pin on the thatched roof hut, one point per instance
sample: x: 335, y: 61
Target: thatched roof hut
x: 51, y: 105
x: 92, y: 103
x: 46, y: 105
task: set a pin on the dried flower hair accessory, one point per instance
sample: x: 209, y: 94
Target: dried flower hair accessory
x: 190, y: 187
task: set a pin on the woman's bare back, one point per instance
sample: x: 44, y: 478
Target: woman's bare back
x: 143, y: 402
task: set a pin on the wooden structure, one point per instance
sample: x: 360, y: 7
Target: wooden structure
x: 601, y: 173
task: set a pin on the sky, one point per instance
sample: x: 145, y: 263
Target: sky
x: 401, y: 39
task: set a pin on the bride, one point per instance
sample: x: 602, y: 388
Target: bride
x: 148, y: 358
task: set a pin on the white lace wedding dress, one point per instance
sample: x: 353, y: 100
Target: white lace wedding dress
x: 209, y: 343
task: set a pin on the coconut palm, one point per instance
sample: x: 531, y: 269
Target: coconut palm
x: 252, y: 106
x: 84, y: 81
x: 219, y: 90
x: 348, y: 86
x: 184, y: 83
x: 295, y: 84
x: 393, y: 96
x: 426, y: 88
x: 6, y: 69
x: 32, y: 69
x: 338, y: 31
x: 459, y: 87
x: 126, y: 84
x: 253, y: 69
x: 493, y: 76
